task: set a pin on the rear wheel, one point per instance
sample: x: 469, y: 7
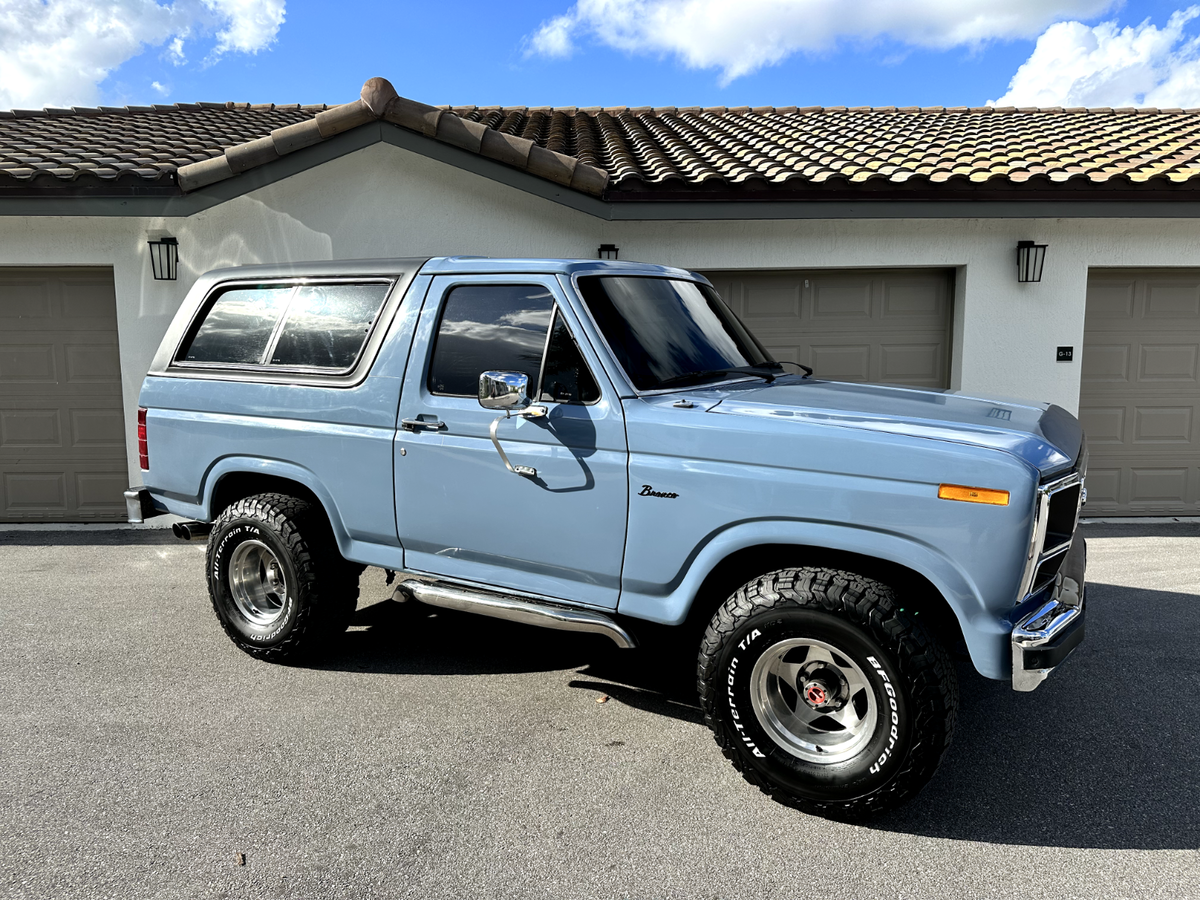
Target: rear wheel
x: 278, y: 585
x: 824, y: 694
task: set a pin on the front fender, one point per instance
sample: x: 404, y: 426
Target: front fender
x: 985, y: 631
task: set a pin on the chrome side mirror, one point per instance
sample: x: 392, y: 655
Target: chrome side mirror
x: 509, y: 393
x: 503, y: 390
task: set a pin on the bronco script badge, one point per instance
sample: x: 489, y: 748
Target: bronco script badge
x: 648, y: 491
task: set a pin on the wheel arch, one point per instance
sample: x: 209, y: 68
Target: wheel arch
x: 916, y: 593
x: 941, y: 590
x: 235, y: 478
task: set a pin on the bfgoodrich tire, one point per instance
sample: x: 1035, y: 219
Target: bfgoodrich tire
x: 278, y: 585
x: 824, y: 694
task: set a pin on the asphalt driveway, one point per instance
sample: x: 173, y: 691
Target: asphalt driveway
x: 142, y: 755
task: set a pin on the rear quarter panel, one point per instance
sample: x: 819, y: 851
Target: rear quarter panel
x: 337, y: 440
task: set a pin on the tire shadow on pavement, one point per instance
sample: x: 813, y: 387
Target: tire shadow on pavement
x: 1101, y: 755
x: 409, y: 638
x: 413, y: 639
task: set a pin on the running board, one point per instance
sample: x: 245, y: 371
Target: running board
x: 516, y: 609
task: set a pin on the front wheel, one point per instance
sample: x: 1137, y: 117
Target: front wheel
x: 824, y: 694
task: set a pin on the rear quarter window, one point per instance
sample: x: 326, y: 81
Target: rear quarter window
x: 327, y: 325
x: 237, y: 326
x: 309, y: 326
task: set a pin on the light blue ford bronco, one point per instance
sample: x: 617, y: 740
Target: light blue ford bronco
x: 591, y: 446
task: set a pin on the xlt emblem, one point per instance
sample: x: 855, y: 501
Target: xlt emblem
x: 648, y: 491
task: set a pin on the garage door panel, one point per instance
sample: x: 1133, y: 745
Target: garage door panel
x: 912, y: 299
x: 26, y: 492
x: 1169, y: 362
x: 1104, y: 489
x: 841, y: 299
x: 93, y: 362
x: 62, y: 427
x: 1111, y: 299
x: 1162, y: 425
x: 25, y: 298
x: 1140, y: 393
x: 835, y: 363
x: 24, y: 428
x: 1106, y: 362
x: 1172, y: 300
x: 27, y: 362
x: 84, y: 298
x: 95, y: 490
x: 772, y: 298
x: 1158, y: 484
x: 98, y: 428
x: 910, y: 363
x: 1103, y: 424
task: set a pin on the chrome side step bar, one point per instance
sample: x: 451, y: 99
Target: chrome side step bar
x: 517, y: 609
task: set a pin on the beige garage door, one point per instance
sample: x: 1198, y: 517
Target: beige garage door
x: 1140, y: 398
x: 877, y: 325
x: 62, y: 436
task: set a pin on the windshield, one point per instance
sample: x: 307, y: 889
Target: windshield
x: 663, y: 330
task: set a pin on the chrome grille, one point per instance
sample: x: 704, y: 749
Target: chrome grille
x: 1055, y: 517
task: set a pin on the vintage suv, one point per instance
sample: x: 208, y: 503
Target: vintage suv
x: 590, y: 446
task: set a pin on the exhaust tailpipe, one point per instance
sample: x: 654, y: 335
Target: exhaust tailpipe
x: 191, y: 531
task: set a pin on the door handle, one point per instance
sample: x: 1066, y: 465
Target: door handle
x: 415, y: 425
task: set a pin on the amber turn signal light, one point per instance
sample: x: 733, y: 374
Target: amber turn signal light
x: 973, y: 494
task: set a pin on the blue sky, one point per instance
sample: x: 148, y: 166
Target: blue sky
x: 603, y: 52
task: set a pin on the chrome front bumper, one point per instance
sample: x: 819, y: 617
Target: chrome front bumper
x: 1046, y: 636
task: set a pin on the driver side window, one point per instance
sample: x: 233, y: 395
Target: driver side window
x: 511, y: 328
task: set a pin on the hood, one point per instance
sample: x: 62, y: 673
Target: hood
x: 1046, y: 436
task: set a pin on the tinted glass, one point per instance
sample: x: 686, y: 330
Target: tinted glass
x: 661, y: 329
x: 327, y: 324
x: 238, y: 326
x: 566, y: 377
x: 490, y: 326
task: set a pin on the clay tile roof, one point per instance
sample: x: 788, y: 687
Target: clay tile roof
x: 156, y: 140
x: 641, y: 152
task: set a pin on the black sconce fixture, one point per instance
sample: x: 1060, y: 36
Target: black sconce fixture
x: 607, y: 251
x: 1030, y: 258
x: 164, y: 258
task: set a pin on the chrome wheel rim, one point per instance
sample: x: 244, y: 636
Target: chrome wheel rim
x: 813, y: 700
x: 257, y: 583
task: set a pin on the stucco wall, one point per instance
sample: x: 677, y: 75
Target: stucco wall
x: 386, y: 201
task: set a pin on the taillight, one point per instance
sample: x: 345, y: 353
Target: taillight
x: 143, y: 448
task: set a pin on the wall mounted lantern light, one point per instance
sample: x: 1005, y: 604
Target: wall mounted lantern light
x: 164, y: 258
x: 1030, y: 258
x: 607, y: 251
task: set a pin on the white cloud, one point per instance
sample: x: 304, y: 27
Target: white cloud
x: 161, y: 89
x: 741, y: 36
x: 56, y: 52
x: 1141, y: 65
x: 249, y: 25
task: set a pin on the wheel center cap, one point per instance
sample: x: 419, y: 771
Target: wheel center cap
x: 815, y: 694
